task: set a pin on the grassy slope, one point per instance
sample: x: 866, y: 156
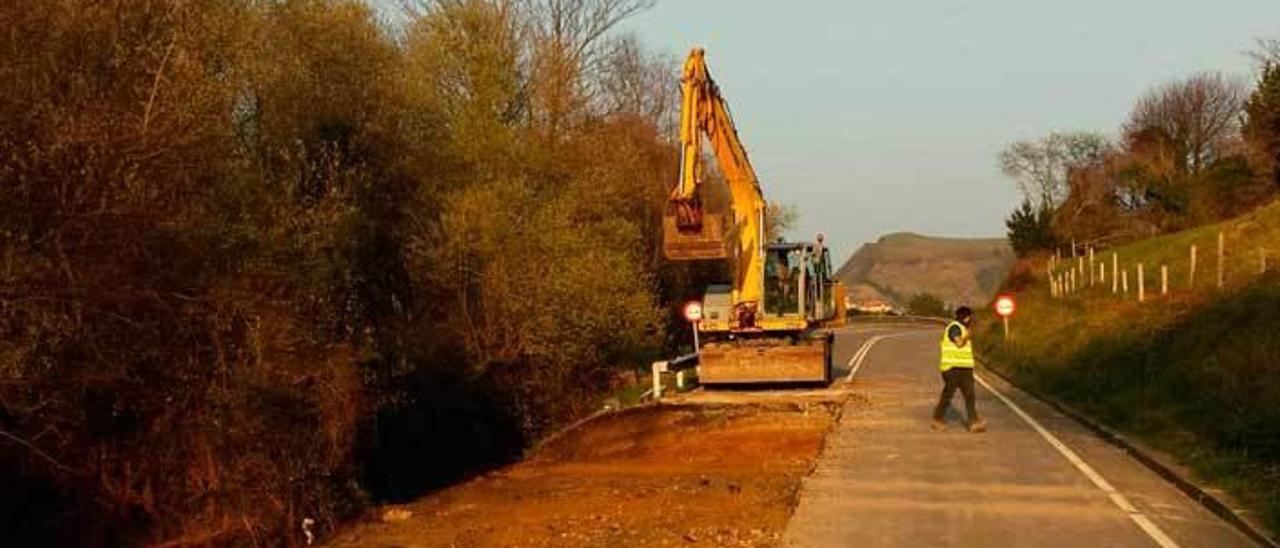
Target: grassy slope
x: 903, y: 264
x: 1195, y: 373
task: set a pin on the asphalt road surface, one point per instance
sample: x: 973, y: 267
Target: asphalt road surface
x: 1035, y: 478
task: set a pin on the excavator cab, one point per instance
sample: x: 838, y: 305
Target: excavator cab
x: 822, y: 292
x: 784, y: 280
x: 798, y: 283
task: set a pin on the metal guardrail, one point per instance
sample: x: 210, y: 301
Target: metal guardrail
x: 678, y: 366
x: 894, y: 319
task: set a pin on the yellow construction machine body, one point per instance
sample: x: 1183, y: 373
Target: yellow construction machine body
x: 765, y: 324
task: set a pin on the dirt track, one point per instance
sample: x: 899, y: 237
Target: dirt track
x: 714, y: 472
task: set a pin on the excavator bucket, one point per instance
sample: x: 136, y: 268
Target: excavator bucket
x: 767, y: 361
x: 709, y: 243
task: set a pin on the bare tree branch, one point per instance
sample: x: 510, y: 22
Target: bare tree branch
x: 1041, y: 167
x: 1197, y: 116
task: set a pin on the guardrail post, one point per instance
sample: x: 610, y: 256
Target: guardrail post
x: 658, y: 369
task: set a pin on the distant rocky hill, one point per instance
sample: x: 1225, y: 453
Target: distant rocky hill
x: 899, y: 265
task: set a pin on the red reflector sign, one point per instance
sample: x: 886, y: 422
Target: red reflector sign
x: 1005, y: 306
x: 693, y: 311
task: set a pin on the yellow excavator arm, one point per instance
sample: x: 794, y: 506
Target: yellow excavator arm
x: 704, y: 112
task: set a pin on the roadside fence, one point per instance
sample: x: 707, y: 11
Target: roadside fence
x: 1181, y: 268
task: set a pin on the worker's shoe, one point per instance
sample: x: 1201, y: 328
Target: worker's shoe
x: 978, y: 426
x: 938, y: 425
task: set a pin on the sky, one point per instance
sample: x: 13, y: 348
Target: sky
x: 871, y: 117
x: 880, y: 116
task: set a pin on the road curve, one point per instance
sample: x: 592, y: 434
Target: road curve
x: 1036, y: 478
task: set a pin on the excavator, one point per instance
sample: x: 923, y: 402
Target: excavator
x: 765, y: 324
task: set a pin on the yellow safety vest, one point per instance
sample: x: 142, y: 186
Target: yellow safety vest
x: 955, y: 356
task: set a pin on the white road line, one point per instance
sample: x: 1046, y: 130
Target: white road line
x: 856, y: 361
x: 858, y: 357
x: 1136, y: 515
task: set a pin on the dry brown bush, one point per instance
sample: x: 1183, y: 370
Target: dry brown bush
x: 260, y: 259
x: 177, y: 367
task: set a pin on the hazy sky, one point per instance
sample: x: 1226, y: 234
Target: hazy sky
x: 880, y: 116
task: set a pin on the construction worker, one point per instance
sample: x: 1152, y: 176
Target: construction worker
x: 957, y: 371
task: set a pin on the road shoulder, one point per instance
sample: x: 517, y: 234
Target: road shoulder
x: 713, y: 468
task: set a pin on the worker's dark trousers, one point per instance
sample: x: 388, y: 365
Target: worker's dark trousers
x: 962, y: 378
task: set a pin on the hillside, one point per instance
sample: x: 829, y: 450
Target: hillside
x: 899, y: 265
x: 1194, y: 372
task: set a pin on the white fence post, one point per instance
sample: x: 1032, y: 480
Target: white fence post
x: 1115, y: 273
x: 1191, y: 277
x: 1091, y: 266
x: 1221, y: 259
x: 1142, y: 290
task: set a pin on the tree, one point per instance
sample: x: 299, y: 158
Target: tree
x: 1267, y: 51
x: 778, y: 219
x: 182, y: 185
x: 538, y: 261
x: 927, y: 304
x: 1262, y: 120
x: 1030, y: 229
x: 1198, y: 117
x: 568, y: 43
x: 635, y: 82
x: 240, y: 236
x: 1041, y: 167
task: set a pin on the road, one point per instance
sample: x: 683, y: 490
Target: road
x: 1036, y: 478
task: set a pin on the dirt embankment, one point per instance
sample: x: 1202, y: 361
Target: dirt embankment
x: 722, y: 473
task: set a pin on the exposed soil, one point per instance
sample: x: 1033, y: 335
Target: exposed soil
x: 711, y: 471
